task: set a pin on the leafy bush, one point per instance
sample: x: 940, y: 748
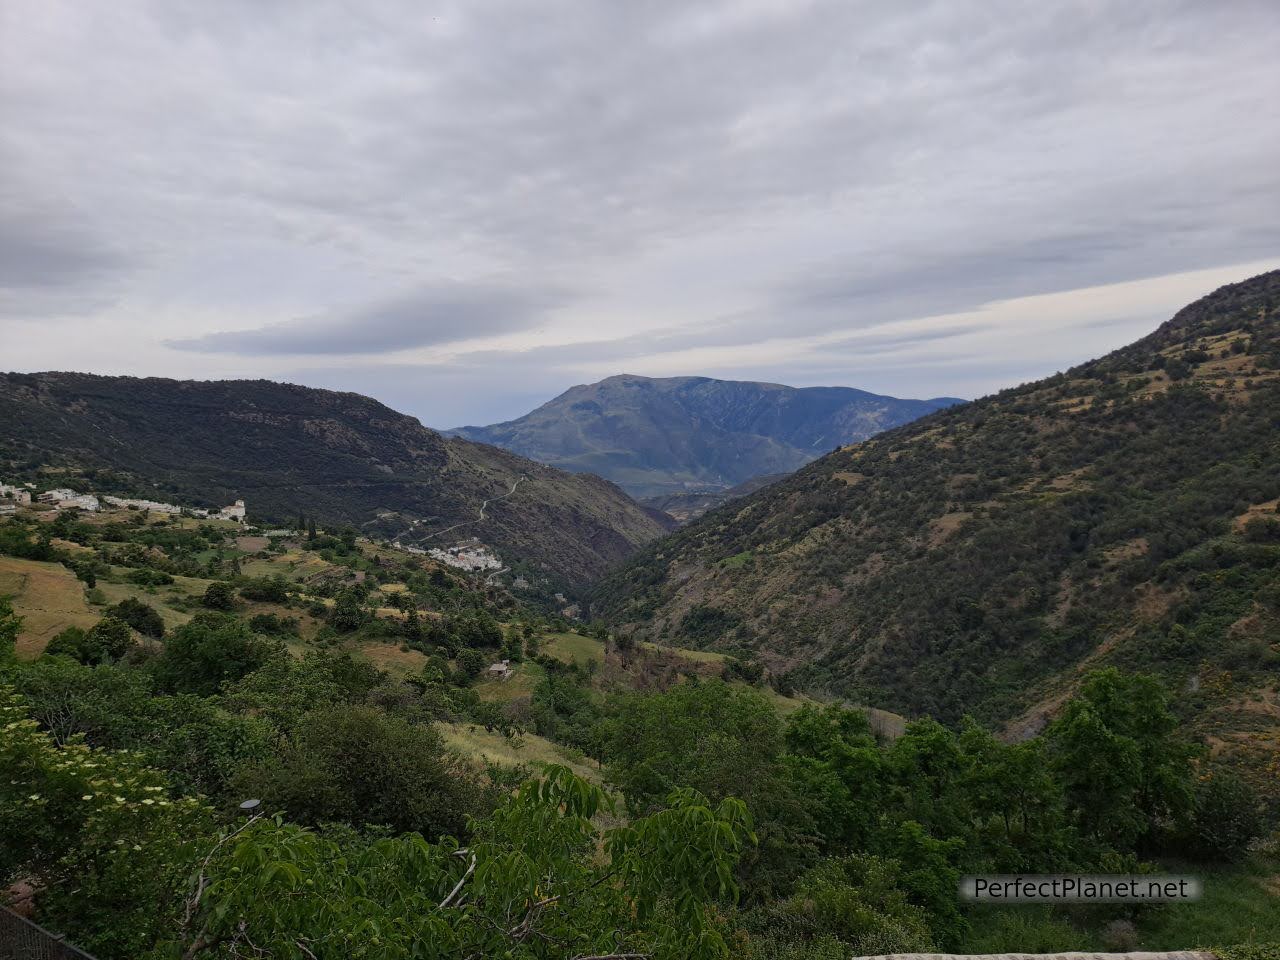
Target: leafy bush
x: 219, y: 596
x: 1225, y: 817
x: 147, y: 577
x: 107, y: 641
x: 266, y: 590
x: 210, y: 650
x: 357, y: 765
x: 141, y: 616
x: 10, y: 626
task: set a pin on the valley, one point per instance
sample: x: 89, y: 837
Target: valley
x: 343, y: 458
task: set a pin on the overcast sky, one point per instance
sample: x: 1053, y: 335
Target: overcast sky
x: 464, y: 208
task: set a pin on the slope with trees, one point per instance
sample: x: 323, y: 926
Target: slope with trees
x: 975, y: 561
x: 339, y: 457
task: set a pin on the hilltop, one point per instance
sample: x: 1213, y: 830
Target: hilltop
x: 341, y: 458
x: 979, y: 559
x: 657, y: 437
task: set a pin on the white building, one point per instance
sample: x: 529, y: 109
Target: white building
x: 234, y: 512
x: 471, y: 555
x: 150, y: 506
x: 18, y: 495
x: 65, y: 499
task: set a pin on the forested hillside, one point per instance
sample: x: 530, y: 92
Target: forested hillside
x: 340, y: 457
x: 664, y: 436
x: 975, y: 561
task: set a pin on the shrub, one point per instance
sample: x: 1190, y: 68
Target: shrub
x: 266, y: 590
x: 219, y: 596
x: 10, y: 625
x: 358, y: 765
x: 141, y: 616
x: 1225, y: 817
x: 146, y: 577
x: 210, y: 650
x: 108, y: 640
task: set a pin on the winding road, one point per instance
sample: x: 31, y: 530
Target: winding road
x: 483, y: 507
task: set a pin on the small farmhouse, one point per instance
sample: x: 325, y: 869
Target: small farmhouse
x: 501, y: 670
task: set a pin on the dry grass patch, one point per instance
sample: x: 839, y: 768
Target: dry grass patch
x: 49, y: 599
x: 389, y: 657
x: 1267, y: 509
x: 942, y: 528
x: 526, y: 749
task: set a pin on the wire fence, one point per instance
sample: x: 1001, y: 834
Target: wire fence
x: 20, y: 939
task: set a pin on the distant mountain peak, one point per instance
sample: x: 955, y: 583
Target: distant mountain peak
x: 660, y: 436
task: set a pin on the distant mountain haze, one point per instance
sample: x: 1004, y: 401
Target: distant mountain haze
x: 656, y: 437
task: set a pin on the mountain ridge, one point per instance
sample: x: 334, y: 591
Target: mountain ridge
x: 663, y: 436
x: 341, y: 457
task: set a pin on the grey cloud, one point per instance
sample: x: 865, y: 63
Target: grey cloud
x: 39, y: 252
x: 792, y: 168
x: 429, y: 317
x: 51, y: 258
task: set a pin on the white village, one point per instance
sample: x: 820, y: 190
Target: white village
x: 13, y: 496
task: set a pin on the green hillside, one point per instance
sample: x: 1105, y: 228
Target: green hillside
x: 975, y: 561
x: 338, y: 457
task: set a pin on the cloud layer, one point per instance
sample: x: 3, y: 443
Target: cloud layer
x: 794, y: 190
x: 440, y: 315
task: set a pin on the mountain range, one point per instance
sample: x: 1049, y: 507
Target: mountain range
x: 337, y: 457
x: 658, y: 437
x: 980, y: 559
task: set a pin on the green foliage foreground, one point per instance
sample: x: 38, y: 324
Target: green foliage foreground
x: 146, y: 876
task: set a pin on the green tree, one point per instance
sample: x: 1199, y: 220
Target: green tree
x: 471, y: 663
x: 1117, y: 752
x: 723, y: 742
x: 210, y: 650
x: 348, y: 612
x: 219, y: 595
x: 106, y: 641
x: 266, y: 589
x: 141, y: 616
x: 99, y: 829
x: 1225, y: 817
x: 538, y: 881
x: 10, y: 627
x: 358, y: 764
